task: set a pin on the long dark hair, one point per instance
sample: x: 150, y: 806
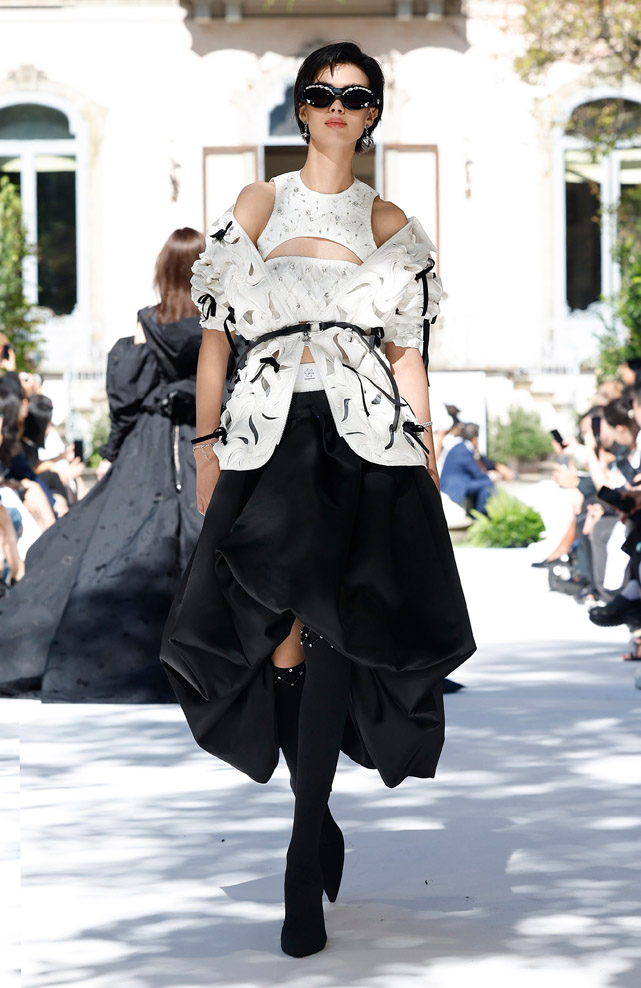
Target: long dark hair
x: 339, y: 53
x: 173, y: 275
x: 38, y: 419
x: 9, y: 410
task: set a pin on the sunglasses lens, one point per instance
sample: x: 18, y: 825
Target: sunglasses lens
x: 357, y: 99
x: 319, y: 96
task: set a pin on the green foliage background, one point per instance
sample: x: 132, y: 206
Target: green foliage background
x: 508, y: 524
x: 16, y: 315
x: 602, y: 35
x: 522, y: 437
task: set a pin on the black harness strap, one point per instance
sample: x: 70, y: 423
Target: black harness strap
x: 373, y: 339
x: 427, y: 323
x: 230, y: 318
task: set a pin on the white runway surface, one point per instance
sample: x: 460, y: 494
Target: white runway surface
x: 145, y: 863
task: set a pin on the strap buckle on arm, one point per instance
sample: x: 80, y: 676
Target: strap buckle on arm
x: 413, y: 430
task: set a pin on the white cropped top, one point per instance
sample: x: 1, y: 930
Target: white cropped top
x: 345, y: 217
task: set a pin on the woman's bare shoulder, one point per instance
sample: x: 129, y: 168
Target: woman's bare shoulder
x: 387, y: 220
x: 254, y: 206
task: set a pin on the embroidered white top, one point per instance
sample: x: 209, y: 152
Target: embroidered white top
x: 332, y: 307
x: 299, y: 211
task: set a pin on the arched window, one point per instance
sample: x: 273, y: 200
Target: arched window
x: 38, y: 153
x: 599, y: 189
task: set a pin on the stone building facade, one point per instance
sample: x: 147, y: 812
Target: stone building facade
x: 124, y: 119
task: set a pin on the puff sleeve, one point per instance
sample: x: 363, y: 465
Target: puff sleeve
x: 418, y: 306
x: 206, y: 283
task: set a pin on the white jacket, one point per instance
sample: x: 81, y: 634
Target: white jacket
x: 395, y: 290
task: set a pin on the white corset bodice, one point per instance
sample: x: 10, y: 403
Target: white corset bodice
x: 345, y: 217
x: 309, y: 282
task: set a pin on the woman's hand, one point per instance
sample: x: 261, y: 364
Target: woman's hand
x: 207, y: 475
x: 433, y: 472
x: 103, y: 469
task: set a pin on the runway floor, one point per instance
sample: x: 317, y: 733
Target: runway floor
x: 132, y: 859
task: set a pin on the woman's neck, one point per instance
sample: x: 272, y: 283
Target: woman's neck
x: 323, y: 173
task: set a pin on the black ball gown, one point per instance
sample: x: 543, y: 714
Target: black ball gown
x: 85, y: 624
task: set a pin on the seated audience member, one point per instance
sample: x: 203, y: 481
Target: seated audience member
x: 451, y: 437
x: 608, y: 391
x: 625, y: 607
x: 17, y: 474
x: 9, y: 377
x: 11, y: 565
x: 62, y: 474
x: 442, y: 422
x: 461, y: 476
x: 566, y: 477
x: 495, y: 471
x: 610, y: 461
x: 630, y: 371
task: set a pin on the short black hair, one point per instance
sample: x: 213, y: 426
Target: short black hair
x: 619, y: 412
x: 339, y: 53
x: 470, y: 430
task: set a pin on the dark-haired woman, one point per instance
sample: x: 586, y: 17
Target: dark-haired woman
x: 322, y: 607
x: 85, y: 623
x: 17, y: 472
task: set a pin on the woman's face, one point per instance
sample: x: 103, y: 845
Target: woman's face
x: 624, y: 435
x: 333, y: 126
x: 608, y: 435
x: 29, y: 383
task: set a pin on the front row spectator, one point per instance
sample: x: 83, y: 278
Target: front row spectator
x: 462, y: 478
x: 11, y: 565
x: 16, y: 472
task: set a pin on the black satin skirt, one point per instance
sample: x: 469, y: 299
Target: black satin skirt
x: 361, y: 554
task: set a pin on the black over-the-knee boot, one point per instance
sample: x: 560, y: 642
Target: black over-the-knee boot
x: 323, y: 710
x: 289, y: 689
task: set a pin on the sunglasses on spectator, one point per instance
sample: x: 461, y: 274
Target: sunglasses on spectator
x: 321, y: 95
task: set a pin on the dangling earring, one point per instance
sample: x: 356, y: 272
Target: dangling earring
x: 305, y: 131
x: 367, y: 141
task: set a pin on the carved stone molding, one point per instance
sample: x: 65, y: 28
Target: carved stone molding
x: 27, y: 77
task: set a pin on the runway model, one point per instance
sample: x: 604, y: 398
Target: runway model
x: 86, y: 621
x: 322, y: 607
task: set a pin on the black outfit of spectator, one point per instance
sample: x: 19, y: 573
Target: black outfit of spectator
x: 85, y: 623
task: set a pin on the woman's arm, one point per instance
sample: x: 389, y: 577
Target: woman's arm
x: 409, y: 373
x: 210, y: 382
x: 132, y: 372
x: 406, y: 361
x: 599, y: 473
x: 252, y: 210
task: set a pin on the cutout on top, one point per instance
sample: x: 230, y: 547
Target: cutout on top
x: 319, y: 247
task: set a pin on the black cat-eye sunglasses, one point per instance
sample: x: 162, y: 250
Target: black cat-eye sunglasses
x: 321, y: 95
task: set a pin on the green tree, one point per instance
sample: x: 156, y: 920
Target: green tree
x: 521, y: 437
x: 621, y: 339
x: 16, y: 314
x: 603, y: 36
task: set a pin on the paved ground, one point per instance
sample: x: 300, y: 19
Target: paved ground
x: 147, y: 864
